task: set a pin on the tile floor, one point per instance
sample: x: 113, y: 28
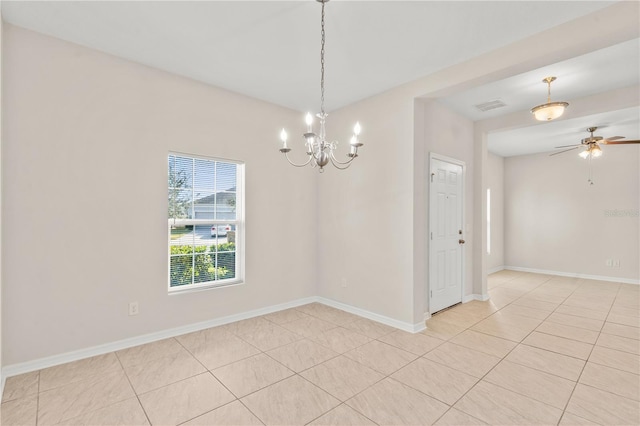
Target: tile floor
x: 543, y: 350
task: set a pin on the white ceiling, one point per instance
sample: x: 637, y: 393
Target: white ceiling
x: 270, y: 50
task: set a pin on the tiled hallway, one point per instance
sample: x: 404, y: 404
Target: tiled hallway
x: 543, y: 350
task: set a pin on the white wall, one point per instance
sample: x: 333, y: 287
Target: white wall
x: 85, y: 146
x: 556, y: 221
x: 495, y: 182
x: 1, y: 183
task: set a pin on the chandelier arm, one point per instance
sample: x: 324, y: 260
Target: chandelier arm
x: 335, y: 160
x: 337, y: 163
x: 295, y: 164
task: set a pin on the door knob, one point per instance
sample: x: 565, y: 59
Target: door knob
x: 460, y: 241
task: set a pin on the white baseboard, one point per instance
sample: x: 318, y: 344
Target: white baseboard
x: 574, y: 275
x: 480, y: 297
x: 496, y: 269
x: 411, y: 328
x: 39, y: 364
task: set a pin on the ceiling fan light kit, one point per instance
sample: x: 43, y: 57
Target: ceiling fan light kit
x: 320, y: 151
x: 550, y: 110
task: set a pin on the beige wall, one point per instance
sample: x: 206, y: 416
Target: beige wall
x: 1, y: 192
x: 495, y: 182
x: 556, y: 221
x: 85, y: 146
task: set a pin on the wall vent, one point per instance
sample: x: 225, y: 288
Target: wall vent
x: 488, y: 106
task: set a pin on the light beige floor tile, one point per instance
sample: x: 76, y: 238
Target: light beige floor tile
x: 71, y: 400
x: 574, y: 321
x: 285, y: 316
x: 469, y: 361
x: 251, y: 374
x: 615, y: 359
x: 151, y: 351
x: 19, y: 412
x: 246, y: 326
x: 185, y: 400
x: 621, y: 310
x: 612, y: 380
x: 535, y: 384
x: 270, y: 336
x: 621, y: 330
x: 460, y: 319
x: 369, y: 328
x: 381, y: 357
x: 293, y: 401
x: 20, y: 386
x: 633, y: 321
x: 595, y: 303
x: 303, y: 354
x: 313, y: 308
x: 436, y: 380
x: 536, y: 304
x: 223, y: 352
x: 581, y: 312
x: 208, y: 336
x: 619, y: 343
x: 389, y: 402
x: 441, y: 329
x: 495, y: 405
x: 232, y: 414
x: 127, y: 413
x: 160, y: 372
x: 76, y: 371
x: 511, y: 319
x: 568, y: 332
x: 502, y: 329
x: 337, y: 316
x: 309, y: 326
x: 603, y: 407
x: 341, y: 339
x: 342, y: 377
x: 455, y: 417
x: 343, y: 415
x: 525, y: 312
x: 559, y: 344
x: 484, y: 343
x: 416, y: 343
x: 569, y: 419
x: 545, y: 295
x: 547, y: 361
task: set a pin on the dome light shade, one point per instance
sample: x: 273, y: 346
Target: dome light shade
x: 550, y: 110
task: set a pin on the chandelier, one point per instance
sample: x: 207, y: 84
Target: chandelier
x: 320, y: 151
x: 550, y: 110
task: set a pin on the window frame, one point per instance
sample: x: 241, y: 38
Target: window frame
x: 239, y: 224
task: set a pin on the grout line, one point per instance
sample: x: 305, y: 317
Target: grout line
x: 132, y: 388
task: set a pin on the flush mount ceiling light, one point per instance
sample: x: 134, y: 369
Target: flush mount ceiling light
x: 320, y: 151
x: 550, y: 110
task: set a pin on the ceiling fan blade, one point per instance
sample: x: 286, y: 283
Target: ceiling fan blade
x: 567, y: 146
x: 619, y: 142
x: 560, y: 152
x: 614, y: 138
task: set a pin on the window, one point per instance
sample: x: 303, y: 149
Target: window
x: 488, y: 221
x: 205, y: 222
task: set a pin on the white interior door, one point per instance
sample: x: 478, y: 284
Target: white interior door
x: 446, y: 237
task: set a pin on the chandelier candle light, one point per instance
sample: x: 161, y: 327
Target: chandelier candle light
x: 550, y: 110
x: 319, y: 150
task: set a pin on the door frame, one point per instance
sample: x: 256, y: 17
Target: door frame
x: 430, y: 254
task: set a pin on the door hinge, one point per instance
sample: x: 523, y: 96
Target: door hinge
x: 432, y: 175
x: 431, y: 235
x: 431, y: 293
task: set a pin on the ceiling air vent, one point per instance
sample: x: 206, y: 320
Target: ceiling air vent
x: 488, y: 106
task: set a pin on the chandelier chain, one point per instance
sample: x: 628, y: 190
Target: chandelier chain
x: 322, y: 62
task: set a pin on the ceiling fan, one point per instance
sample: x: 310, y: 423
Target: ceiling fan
x: 592, y: 144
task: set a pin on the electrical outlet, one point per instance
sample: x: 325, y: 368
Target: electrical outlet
x: 609, y: 262
x: 616, y: 263
x: 133, y: 308
x: 343, y: 282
